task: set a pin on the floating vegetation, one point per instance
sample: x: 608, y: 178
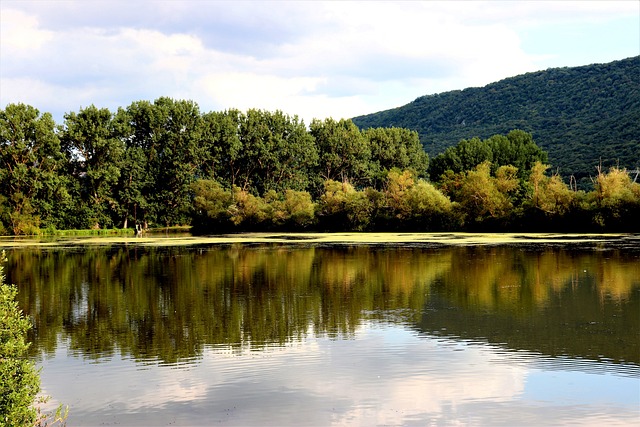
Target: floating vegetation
x: 395, y: 239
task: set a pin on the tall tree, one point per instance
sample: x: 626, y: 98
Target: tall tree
x: 258, y: 151
x: 167, y: 134
x: 31, y: 183
x: 517, y: 148
x: 135, y: 178
x: 294, y: 154
x: 344, y: 153
x: 395, y: 148
x: 222, y: 146
x: 137, y: 185
x: 179, y: 157
x: 462, y: 157
x: 93, y: 143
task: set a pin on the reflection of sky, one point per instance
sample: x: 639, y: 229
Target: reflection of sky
x: 578, y: 387
x: 385, y: 375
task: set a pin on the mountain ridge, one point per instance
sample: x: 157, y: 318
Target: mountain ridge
x: 582, y: 116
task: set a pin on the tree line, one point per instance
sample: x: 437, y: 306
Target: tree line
x: 166, y: 163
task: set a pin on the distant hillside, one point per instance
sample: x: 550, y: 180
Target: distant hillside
x: 579, y: 115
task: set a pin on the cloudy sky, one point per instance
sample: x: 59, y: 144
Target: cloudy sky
x: 307, y: 58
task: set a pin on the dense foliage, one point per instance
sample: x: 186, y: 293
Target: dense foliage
x: 483, y: 197
x: 165, y: 163
x: 582, y: 116
x: 516, y: 149
x: 19, y: 379
x: 138, y: 165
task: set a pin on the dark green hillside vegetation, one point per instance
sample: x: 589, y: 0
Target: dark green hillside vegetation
x: 582, y: 116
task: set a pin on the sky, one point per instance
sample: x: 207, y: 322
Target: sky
x: 309, y: 59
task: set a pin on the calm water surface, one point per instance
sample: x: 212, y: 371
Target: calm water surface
x: 294, y: 335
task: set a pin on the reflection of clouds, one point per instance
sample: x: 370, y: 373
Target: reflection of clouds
x: 172, y: 388
x: 116, y: 383
x: 385, y: 375
x: 401, y: 379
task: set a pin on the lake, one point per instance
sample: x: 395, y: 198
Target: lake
x: 310, y: 330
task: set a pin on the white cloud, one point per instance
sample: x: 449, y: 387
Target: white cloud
x: 21, y: 34
x: 313, y: 59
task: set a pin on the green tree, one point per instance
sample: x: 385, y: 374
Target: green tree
x: 133, y: 181
x: 277, y: 152
x: 344, y: 153
x: 294, y: 154
x: 137, y: 184
x: 168, y: 132
x: 395, y: 148
x: 32, y: 184
x: 134, y: 176
x: 257, y: 151
x: 93, y: 143
x: 517, y: 148
x: 462, y: 157
x: 178, y: 158
x: 222, y: 147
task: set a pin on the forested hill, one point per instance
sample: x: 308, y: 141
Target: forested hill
x: 581, y: 116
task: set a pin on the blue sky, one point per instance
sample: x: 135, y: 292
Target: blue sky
x: 309, y: 58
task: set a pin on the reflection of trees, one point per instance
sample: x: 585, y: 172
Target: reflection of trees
x: 582, y: 304
x: 517, y: 279
x: 168, y: 303
x: 361, y: 279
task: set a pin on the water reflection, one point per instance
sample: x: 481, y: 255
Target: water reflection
x: 243, y: 335
x: 580, y: 304
x: 167, y: 303
x: 384, y: 375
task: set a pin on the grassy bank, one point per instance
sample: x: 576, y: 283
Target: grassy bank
x: 52, y: 232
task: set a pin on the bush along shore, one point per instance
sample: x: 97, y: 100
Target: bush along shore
x: 476, y: 200
x: 19, y: 378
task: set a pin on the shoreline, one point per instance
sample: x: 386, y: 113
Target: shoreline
x: 337, y: 239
